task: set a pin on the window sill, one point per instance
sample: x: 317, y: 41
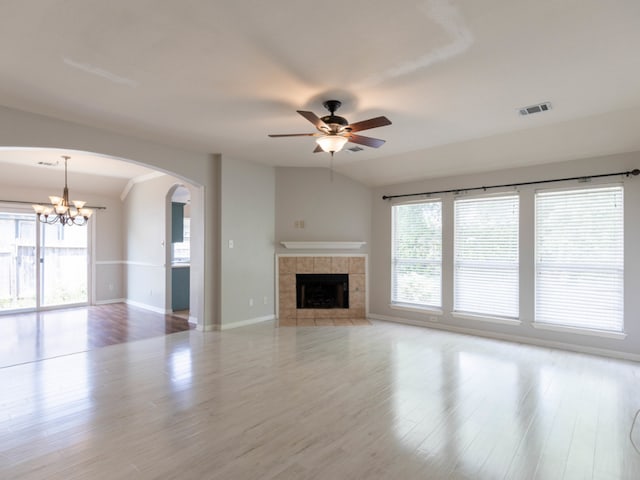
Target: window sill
x: 417, y: 309
x: 580, y: 331
x: 486, y: 318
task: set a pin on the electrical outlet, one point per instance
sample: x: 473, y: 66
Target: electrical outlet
x: 266, y: 300
x: 251, y: 302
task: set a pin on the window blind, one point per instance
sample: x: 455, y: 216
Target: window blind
x: 579, y: 258
x: 486, y: 278
x: 416, y: 275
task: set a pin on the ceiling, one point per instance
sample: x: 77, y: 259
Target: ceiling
x: 218, y: 77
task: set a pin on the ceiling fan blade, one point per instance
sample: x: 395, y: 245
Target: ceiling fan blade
x: 292, y: 135
x: 371, y: 123
x: 368, y: 141
x: 313, y: 118
x: 318, y: 149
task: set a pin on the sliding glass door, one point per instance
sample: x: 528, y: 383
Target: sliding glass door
x: 41, y: 265
x: 18, y: 275
x: 63, y: 265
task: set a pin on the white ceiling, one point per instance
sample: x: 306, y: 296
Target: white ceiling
x: 450, y: 74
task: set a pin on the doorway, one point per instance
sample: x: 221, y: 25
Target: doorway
x: 41, y: 266
x: 180, y: 241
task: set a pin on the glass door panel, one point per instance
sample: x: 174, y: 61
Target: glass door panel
x: 17, y: 261
x: 63, y: 265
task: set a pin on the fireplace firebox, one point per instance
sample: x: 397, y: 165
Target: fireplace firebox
x: 322, y: 290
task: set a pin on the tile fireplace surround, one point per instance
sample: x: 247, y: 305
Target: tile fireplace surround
x: 353, y: 265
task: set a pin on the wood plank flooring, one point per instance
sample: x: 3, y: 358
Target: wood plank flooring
x: 28, y: 337
x: 384, y: 401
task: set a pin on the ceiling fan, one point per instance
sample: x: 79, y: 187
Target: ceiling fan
x: 335, y: 131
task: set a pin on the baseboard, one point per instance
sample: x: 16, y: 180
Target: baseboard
x: 245, y: 323
x: 193, y: 320
x: 511, y: 338
x: 147, y: 307
x: 206, y: 328
x: 108, y: 302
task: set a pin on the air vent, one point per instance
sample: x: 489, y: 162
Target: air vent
x: 355, y: 149
x: 541, y: 107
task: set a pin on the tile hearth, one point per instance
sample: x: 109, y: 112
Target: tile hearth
x: 354, y: 266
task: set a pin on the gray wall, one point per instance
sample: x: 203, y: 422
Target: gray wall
x: 380, y: 260
x: 332, y: 210
x: 247, y: 219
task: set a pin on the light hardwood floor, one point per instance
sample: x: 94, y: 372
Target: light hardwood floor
x: 375, y: 402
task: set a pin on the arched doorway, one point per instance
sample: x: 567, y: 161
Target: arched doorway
x: 178, y: 208
x: 108, y: 273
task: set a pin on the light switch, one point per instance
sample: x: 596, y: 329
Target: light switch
x: 230, y: 243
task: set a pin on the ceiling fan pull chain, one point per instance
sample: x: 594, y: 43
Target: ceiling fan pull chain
x: 331, y: 168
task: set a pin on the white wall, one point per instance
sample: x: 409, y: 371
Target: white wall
x: 332, y: 210
x: 380, y: 260
x: 247, y: 219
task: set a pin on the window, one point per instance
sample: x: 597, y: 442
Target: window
x: 181, y: 251
x: 486, y: 256
x: 579, y: 258
x: 417, y: 254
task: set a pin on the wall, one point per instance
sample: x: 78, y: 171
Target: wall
x: 332, y: 210
x: 380, y: 261
x: 108, y: 247
x: 247, y: 214
x: 145, y: 242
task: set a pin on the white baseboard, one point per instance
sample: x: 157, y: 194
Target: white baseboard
x: 147, y: 307
x: 245, y: 323
x: 110, y: 301
x: 206, y: 328
x: 510, y: 338
x: 193, y: 320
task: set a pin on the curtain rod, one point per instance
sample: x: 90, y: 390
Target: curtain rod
x: 21, y: 202
x: 628, y: 173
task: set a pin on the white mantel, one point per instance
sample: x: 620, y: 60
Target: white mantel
x: 323, y: 245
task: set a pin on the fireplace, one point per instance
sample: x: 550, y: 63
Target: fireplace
x: 351, y: 266
x: 322, y: 290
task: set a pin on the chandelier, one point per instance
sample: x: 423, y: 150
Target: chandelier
x: 61, y: 210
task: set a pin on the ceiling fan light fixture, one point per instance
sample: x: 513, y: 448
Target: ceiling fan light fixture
x: 331, y: 143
